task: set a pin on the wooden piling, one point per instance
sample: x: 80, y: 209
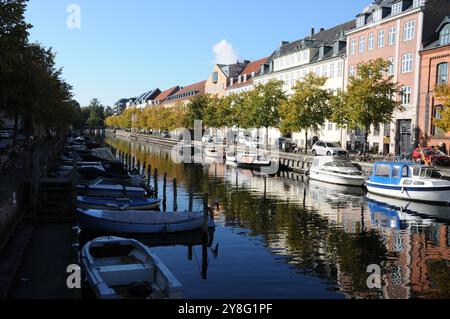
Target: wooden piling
x: 191, y: 200
x: 175, y: 194
x: 205, y: 214
x: 149, y: 175
x: 165, y: 189
x: 155, y: 180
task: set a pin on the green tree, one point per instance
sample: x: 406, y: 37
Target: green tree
x: 369, y: 99
x: 195, y: 110
x: 261, y: 106
x: 308, y: 108
x: 442, y: 94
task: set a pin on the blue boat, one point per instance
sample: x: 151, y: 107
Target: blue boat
x: 110, y: 203
x: 409, y: 181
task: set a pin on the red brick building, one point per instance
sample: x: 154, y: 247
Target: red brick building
x: 435, y: 62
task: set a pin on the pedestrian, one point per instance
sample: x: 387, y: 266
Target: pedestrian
x: 443, y: 148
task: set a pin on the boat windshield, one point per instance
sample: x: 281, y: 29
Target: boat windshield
x: 339, y: 163
x: 422, y: 172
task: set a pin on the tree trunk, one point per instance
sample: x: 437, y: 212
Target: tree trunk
x: 306, y: 142
x: 267, y: 138
x: 366, y: 135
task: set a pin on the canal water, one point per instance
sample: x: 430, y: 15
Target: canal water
x: 283, y: 237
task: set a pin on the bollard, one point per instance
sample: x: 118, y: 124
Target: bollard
x: 149, y: 176
x: 191, y: 200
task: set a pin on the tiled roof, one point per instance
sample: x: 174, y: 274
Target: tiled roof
x: 163, y: 96
x: 254, y: 66
x: 188, y: 92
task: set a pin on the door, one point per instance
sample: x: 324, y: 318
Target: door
x: 404, y: 138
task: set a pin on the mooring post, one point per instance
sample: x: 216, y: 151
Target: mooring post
x: 175, y: 193
x: 143, y: 168
x: 165, y: 191
x: 190, y: 253
x: 205, y: 214
x: 149, y: 175
x: 155, y: 180
x: 191, y: 200
x: 139, y: 166
x: 133, y: 163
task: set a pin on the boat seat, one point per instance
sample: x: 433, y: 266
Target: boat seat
x: 118, y: 275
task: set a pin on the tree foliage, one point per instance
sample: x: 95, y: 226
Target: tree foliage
x: 442, y: 94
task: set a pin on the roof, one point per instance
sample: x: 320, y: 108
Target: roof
x: 326, y: 37
x: 188, y: 91
x: 163, y: 95
x: 437, y: 43
x: 444, y: 22
x: 255, y: 67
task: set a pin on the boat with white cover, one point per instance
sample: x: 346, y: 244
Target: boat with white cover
x: 139, y: 222
x: 111, y: 190
x: 112, y: 203
x: 336, y: 170
x: 409, y: 181
x: 119, y: 268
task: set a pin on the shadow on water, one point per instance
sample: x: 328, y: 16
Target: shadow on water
x: 286, y: 238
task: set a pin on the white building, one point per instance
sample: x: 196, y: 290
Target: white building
x: 322, y: 53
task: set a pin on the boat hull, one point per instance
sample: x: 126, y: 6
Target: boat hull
x: 112, y: 204
x: 90, y: 220
x: 336, y: 178
x: 437, y: 195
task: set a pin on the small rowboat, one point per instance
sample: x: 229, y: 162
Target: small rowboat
x: 109, y: 190
x: 139, y: 222
x: 119, y: 268
x: 252, y: 161
x: 107, y: 203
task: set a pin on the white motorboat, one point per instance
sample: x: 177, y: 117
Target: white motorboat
x: 231, y: 157
x: 336, y: 170
x: 213, y: 153
x: 252, y: 161
x: 119, y: 268
x: 409, y: 181
x: 139, y: 222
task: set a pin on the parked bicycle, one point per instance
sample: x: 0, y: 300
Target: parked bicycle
x: 361, y: 157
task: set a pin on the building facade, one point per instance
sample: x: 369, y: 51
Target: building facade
x: 396, y: 30
x: 244, y: 81
x: 322, y: 53
x: 222, y: 76
x: 185, y: 94
x: 435, y: 62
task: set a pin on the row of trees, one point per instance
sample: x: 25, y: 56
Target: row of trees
x: 368, y: 102
x: 31, y: 87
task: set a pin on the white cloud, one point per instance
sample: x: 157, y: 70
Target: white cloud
x: 225, y: 53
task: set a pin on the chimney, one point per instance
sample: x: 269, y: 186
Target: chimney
x: 322, y: 29
x: 312, y: 31
x: 284, y: 43
x: 231, y: 82
x: 245, y: 77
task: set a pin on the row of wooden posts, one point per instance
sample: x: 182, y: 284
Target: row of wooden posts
x: 130, y: 164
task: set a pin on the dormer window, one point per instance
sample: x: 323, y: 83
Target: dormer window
x: 245, y: 77
x: 239, y: 79
x: 361, y: 21
x: 377, y: 15
x: 397, y: 8
x: 253, y: 74
x: 418, y: 3
x: 444, y: 37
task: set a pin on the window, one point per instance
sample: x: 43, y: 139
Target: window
x: 332, y: 70
x: 371, y: 41
x: 330, y: 127
x: 442, y: 73
x: 381, y: 38
x: 444, y: 37
x: 361, y: 21
x: 377, y: 15
x: 383, y: 170
x: 340, y: 68
x: 391, y: 69
x: 362, y: 44
x: 352, y: 70
x: 353, y: 46
x: 392, y: 35
x: 318, y: 71
x: 397, y: 8
x: 407, y: 63
x: 418, y: 3
x: 406, y: 95
x: 325, y: 70
x: 409, y: 30
x: 437, y: 116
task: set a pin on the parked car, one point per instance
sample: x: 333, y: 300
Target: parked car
x: 165, y: 135
x: 328, y: 149
x: 6, y: 134
x: 208, y: 138
x: 431, y: 155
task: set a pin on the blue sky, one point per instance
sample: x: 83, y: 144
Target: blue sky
x: 124, y: 48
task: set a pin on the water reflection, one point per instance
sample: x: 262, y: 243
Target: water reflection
x: 311, y: 230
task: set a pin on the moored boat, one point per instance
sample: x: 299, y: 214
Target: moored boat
x: 111, y: 190
x: 213, y: 153
x: 409, y: 181
x: 139, y: 222
x: 111, y: 203
x: 119, y: 268
x: 336, y: 170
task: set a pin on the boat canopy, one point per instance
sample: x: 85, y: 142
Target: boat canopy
x: 393, y: 172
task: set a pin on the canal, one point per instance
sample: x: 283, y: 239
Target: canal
x: 282, y: 237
